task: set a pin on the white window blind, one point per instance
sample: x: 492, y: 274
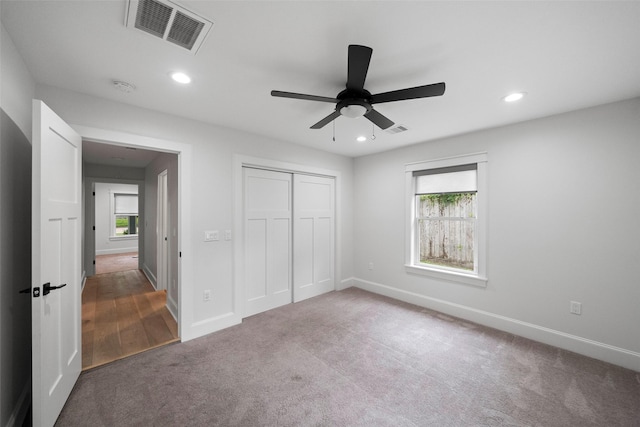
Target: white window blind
x: 456, y: 179
x: 126, y: 204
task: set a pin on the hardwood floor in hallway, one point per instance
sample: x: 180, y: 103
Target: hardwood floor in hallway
x: 122, y: 314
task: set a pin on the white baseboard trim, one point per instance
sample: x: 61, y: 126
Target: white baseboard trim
x: 345, y: 283
x: 20, y: 411
x: 597, y: 350
x: 150, y: 276
x: 208, y: 326
x: 172, y: 306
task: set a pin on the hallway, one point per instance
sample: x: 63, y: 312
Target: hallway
x: 122, y: 314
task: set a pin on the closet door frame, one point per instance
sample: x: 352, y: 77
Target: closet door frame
x: 242, y: 161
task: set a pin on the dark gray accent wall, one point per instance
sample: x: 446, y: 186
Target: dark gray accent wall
x: 15, y: 269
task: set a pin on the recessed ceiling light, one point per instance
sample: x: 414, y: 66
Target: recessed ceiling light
x: 513, y: 97
x: 180, y: 77
x: 361, y: 138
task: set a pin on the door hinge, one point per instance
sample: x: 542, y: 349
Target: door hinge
x: 94, y: 228
x: 94, y: 193
x: 94, y: 262
x: 180, y: 254
x: 36, y: 292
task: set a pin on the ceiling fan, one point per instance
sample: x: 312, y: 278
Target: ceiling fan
x: 355, y: 101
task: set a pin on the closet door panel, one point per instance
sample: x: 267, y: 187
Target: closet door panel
x: 314, y: 236
x: 268, y: 240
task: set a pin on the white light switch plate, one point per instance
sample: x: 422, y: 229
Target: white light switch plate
x: 212, y: 235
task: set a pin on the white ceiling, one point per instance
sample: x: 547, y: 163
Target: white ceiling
x: 566, y: 55
x: 115, y: 155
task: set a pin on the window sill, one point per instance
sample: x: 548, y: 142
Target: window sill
x: 451, y: 276
x: 127, y: 237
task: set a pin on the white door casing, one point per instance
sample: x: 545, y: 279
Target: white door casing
x: 56, y: 260
x: 314, y: 236
x: 267, y: 240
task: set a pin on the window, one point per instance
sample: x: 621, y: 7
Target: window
x: 447, y: 218
x: 125, y: 215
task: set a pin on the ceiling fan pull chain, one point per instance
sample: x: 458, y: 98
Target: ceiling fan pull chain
x: 334, y: 131
x: 373, y: 132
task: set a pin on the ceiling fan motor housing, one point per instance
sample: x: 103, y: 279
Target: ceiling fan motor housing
x: 349, y: 98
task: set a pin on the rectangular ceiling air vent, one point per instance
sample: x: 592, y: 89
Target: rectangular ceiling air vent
x: 397, y: 129
x: 169, y: 21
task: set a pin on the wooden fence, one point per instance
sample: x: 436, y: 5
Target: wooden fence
x: 446, y: 225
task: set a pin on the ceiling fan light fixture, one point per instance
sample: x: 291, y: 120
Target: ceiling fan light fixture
x: 353, y: 111
x: 513, y: 97
x: 361, y: 138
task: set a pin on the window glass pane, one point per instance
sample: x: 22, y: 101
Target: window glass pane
x: 446, y: 228
x: 126, y: 225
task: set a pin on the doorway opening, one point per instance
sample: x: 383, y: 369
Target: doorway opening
x: 127, y: 305
x: 117, y: 218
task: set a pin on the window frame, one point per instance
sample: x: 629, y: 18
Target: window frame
x: 478, y: 277
x: 113, y: 215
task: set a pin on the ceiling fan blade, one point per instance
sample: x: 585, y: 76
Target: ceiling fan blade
x: 322, y: 123
x: 358, y: 65
x: 378, y: 119
x: 436, y: 89
x: 282, y: 94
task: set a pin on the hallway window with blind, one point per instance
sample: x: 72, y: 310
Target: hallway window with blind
x: 125, y: 215
x: 447, y: 221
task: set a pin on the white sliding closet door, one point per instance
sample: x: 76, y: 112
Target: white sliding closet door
x: 313, y: 224
x: 267, y: 245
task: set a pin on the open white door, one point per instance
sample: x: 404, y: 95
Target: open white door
x: 56, y: 221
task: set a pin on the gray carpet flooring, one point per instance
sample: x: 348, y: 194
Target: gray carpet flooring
x: 353, y: 358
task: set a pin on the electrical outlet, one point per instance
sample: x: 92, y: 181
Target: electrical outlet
x: 575, y: 307
x: 227, y: 234
x: 207, y: 295
x: 370, y: 266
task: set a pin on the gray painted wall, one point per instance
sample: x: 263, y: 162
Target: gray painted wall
x: 563, y: 194
x: 16, y: 91
x: 211, y: 176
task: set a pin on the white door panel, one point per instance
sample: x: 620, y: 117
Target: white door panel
x: 323, y: 240
x: 304, y: 253
x: 56, y: 210
x: 162, y: 232
x: 256, y: 255
x: 314, y: 236
x: 267, y: 260
x: 280, y: 253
